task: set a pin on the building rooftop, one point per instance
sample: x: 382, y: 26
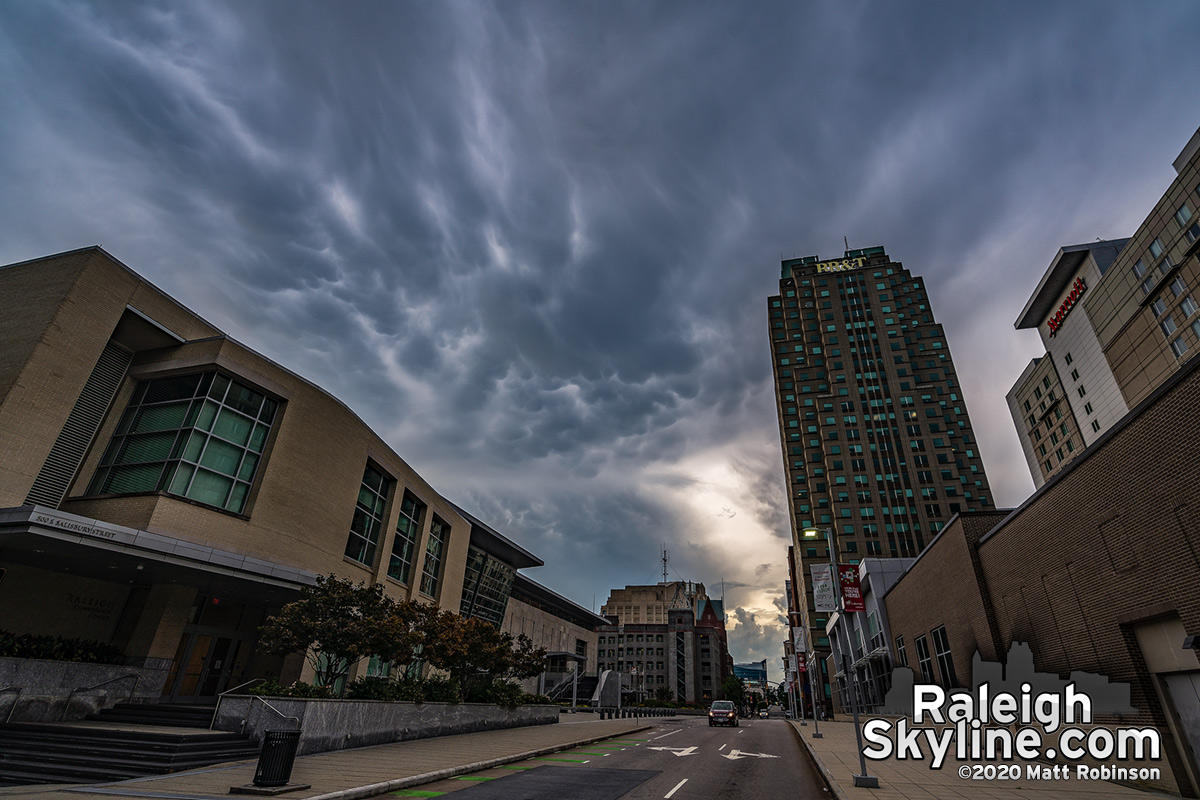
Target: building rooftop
x: 1060, y: 274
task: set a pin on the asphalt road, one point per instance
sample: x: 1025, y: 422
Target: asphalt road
x: 678, y: 759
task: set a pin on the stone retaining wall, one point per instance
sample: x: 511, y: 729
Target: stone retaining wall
x: 338, y: 724
x: 46, y: 685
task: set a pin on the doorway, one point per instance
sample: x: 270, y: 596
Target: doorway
x: 211, y: 651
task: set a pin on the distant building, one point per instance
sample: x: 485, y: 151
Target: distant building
x: 684, y: 658
x: 567, y: 630
x: 1117, y: 318
x: 753, y: 676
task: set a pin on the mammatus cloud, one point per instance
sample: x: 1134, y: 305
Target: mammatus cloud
x: 530, y: 244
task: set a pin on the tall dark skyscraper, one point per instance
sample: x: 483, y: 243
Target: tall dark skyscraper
x: 877, y: 443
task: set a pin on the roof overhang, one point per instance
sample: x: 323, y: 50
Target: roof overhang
x: 1058, y: 277
x: 494, y: 543
x: 53, y: 540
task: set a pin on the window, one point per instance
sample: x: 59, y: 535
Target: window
x: 1074, y: 374
x: 197, y: 436
x: 1177, y: 287
x: 1188, y: 306
x: 1183, y: 214
x: 1139, y: 268
x: 1159, y: 307
x: 1178, y: 346
x: 1082, y: 391
x: 924, y: 662
x: 1066, y: 358
x: 941, y: 646
x: 435, y: 551
x: 1156, y: 247
x: 1148, y: 285
x: 1095, y: 426
x: 408, y: 531
x: 1167, y: 325
x: 1087, y: 408
x: 368, y: 516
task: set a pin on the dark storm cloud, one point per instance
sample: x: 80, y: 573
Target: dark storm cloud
x: 530, y: 243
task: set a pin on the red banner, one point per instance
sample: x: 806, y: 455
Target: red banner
x: 801, y: 662
x: 852, y: 599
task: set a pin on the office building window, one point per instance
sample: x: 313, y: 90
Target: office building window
x: 1082, y: 391
x: 435, y: 551
x: 487, y: 586
x: 197, y: 436
x: 1168, y: 326
x: 1148, y: 285
x: 1188, y: 306
x: 1156, y: 247
x: 924, y: 662
x: 408, y: 531
x: 941, y: 646
x: 1178, y: 346
x: 1178, y: 287
x: 1183, y: 214
x: 1067, y: 358
x: 1095, y: 426
x: 1087, y: 408
x: 1159, y: 307
x: 1074, y: 374
x: 1139, y: 268
x: 368, y: 516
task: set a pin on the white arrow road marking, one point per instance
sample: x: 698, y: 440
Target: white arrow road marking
x: 734, y: 755
x: 667, y: 796
x: 679, y: 751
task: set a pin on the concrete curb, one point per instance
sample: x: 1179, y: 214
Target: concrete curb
x: 429, y: 777
x: 826, y: 775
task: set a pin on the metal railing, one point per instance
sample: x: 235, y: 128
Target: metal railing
x: 67, y: 705
x: 250, y: 708
x: 17, y: 699
x: 221, y: 697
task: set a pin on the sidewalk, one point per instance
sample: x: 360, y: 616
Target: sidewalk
x: 836, y: 755
x: 362, y: 772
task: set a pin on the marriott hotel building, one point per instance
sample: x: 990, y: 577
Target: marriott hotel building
x: 877, y: 443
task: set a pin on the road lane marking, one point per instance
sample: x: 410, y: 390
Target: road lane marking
x: 722, y: 747
x: 679, y: 751
x: 676, y: 789
x: 665, y: 735
x: 734, y: 755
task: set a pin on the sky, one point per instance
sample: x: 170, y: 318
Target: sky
x: 530, y: 243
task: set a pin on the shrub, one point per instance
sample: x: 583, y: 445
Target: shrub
x: 538, y: 700
x: 271, y: 688
x: 418, y: 690
x: 58, y: 648
x: 501, y: 693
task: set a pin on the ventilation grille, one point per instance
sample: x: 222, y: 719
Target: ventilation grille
x: 72, y: 444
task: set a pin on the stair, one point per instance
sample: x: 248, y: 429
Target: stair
x: 101, y: 751
x: 167, y: 714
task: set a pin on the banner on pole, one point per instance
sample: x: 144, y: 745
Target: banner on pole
x: 822, y: 580
x: 852, y: 599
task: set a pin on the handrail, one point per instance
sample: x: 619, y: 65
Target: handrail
x: 16, y: 700
x: 217, y: 708
x: 134, y: 675
x: 249, y: 708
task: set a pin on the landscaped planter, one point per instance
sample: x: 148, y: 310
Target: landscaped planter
x: 46, y: 686
x: 338, y: 724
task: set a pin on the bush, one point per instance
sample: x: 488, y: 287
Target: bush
x: 271, y: 688
x: 418, y: 690
x: 57, y: 648
x: 501, y: 693
x: 538, y: 700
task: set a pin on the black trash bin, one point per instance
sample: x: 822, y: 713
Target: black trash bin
x: 277, y: 758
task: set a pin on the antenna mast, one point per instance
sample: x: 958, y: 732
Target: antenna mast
x: 664, y: 560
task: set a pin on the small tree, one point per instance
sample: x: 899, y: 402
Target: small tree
x: 467, y: 648
x: 733, y: 689
x: 525, y: 660
x: 338, y: 622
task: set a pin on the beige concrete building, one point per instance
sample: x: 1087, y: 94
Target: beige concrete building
x: 1117, y: 319
x: 164, y: 487
x: 650, y: 603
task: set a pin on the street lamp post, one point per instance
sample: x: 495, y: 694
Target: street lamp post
x: 863, y: 779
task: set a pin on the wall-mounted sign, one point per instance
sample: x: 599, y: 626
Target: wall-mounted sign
x: 1077, y: 290
x: 841, y: 264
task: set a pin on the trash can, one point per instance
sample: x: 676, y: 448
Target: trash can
x: 277, y: 758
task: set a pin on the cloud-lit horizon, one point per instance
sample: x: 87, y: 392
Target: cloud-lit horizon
x: 531, y: 243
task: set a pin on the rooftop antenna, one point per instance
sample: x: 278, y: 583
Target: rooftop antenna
x: 847, y: 243
x: 664, y: 560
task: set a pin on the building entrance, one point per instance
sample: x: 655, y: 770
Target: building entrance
x: 212, y: 650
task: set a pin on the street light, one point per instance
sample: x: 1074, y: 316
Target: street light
x: 863, y: 779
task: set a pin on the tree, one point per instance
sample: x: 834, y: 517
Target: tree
x: 474, y: 651
x: 733, y: 689
x: 337, y: 622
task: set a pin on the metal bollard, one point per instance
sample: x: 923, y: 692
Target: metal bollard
x: 277, y: 758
